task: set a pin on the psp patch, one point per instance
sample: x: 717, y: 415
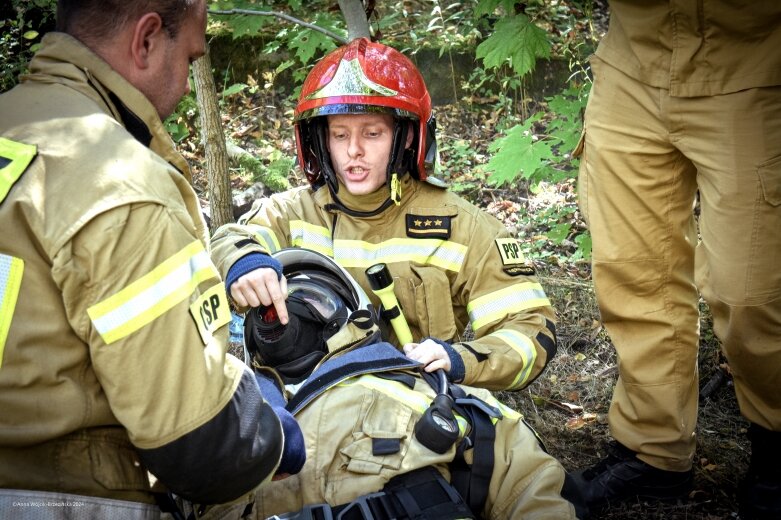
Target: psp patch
x: 513, y: 261
x: 211, y: 311
x: 428, y: 226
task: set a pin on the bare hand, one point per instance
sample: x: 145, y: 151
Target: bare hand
x: 430, y: 353
x: 261, y: 287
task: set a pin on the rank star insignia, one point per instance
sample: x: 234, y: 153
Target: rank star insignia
x: 419, y: 226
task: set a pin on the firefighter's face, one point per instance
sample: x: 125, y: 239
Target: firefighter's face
x: 360, y: 146
x: 167, y: 78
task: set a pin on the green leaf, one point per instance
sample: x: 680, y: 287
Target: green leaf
x: 559, y: 232
x: 584, y: 245
x: 518, y: 40
x: 489, y: 6
x: 305, y: 44
x: 247, y: 25
x: 30, y: 35
x: 517, y: 154
x: 284, y: 66
x: 309, y: 44
x: 234, y: 89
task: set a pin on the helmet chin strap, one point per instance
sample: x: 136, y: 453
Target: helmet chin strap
x: 396, y: 169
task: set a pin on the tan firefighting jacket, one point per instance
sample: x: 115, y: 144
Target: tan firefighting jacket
x: 341, y: 465
x: 710, y: 48
x: 453, y: 265
x: 112, y: 326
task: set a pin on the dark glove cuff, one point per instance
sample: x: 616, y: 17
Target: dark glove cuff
x: 457, y: 370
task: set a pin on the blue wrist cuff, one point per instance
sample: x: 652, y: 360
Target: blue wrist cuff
x: 294, y: 451
x: 457, y: 370
x: 270, y: 391
x: 250, y: 262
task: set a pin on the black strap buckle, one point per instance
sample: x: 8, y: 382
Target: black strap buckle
x: 310, y: 512
x: 366, y: 507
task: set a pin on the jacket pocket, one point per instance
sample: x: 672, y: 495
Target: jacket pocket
x: 116, y: 466
x: 381, y: 440
x: 770, y: 178
x: 429, y: 296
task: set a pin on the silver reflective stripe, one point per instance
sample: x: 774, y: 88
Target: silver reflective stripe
x: 311, y: 236
x: 427, y: 251
x: 265, y: 237
x: 21, y: 504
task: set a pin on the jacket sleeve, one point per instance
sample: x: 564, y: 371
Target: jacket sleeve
x: 513, y: 322
x: 526, y: 481
x: 141, y: 290
x: 264, y: 229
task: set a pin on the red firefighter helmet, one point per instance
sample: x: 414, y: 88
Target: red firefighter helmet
x: 357, y: 78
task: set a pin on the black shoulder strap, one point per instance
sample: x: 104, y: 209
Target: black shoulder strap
x: 472, y: 482
x: 370, y: 359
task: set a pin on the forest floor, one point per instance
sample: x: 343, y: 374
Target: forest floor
x: 568, y: 403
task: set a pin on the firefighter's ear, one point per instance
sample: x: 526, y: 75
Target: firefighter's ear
x: 410, y: 135
x: 148, y: 32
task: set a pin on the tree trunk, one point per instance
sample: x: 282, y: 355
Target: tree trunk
x: 217, y: 174
x: 355, y: 17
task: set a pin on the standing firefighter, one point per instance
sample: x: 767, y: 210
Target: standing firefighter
x: 686, y: 107
x: 365, y: 140
x: 113, y: 334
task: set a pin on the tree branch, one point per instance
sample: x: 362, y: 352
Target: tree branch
x: 283, y: 16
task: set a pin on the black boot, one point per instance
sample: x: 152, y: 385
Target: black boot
x: 622, y: 476
x: 760, y: 491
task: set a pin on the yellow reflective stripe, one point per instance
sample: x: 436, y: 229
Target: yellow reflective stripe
x: 427, y: 251
x: 498, y: 304
x: 309, y: 236
x: 524, y: 347
x: 150, y: 296
x: 19, y: 155
x: 507, y: 411
x: 265, y: 237
x: 11, y: 270
x: 401, y: 393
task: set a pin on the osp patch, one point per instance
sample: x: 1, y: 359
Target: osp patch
x: 211, y: 311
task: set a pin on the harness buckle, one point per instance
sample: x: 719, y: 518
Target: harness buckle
x: 360, y: 508
x: 309, y: 512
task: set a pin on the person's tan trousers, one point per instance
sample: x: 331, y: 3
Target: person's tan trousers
x: 645, y: 156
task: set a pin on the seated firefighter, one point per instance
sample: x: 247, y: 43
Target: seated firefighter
x: 366, y: 141
x: 385, y: 439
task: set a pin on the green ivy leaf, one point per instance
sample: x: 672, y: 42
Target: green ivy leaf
x: 518, y: 39
x: 30, y: 35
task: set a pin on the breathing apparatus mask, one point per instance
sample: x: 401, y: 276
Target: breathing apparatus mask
x: 328, y: 312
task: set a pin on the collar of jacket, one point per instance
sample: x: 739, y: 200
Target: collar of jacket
x: 65, y: 60
x: 369, y: 201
